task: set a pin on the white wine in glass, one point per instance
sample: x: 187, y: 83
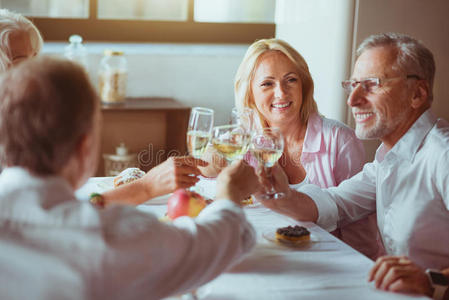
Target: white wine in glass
x: 267, y: 146
x: 230, y: 141
x: 199, y: 130
x: 197, y: 142
x: 267, y: 157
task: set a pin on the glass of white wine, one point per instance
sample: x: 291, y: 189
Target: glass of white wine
x: 243, y: 117
x: 231, y: 141
x: 199, y: 130
x: 267, y: 146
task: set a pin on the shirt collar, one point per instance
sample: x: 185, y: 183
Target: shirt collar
x: 313, y: 138
x: 408, y: 144
x: 17, y: 179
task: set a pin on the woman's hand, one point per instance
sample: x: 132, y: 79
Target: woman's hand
x: 399, y: 274
x: 174, y: 173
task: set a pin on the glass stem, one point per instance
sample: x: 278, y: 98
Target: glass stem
x: 270, y: 179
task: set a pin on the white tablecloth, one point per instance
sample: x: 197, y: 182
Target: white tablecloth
x: 326, y: 268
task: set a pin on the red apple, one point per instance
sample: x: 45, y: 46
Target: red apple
x: 184, y: 203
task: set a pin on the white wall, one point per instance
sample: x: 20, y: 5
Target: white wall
x: 321, y: 31
x: 195, y: 75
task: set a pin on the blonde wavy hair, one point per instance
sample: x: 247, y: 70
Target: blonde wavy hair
x: 245, y: 74
x: 11, y: 22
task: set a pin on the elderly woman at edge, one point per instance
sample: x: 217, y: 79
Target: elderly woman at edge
x: 19, y: 39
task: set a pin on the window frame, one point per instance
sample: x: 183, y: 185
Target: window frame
x: 189, y: 31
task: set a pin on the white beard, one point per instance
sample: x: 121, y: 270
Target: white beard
x: 382, y: 126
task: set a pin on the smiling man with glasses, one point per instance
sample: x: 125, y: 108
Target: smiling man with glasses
x: 390, y: 93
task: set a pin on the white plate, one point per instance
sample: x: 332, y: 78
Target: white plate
x: 199, y: 293
x: 106, y: 184
x: 158, y: 200
x: 271, y: 237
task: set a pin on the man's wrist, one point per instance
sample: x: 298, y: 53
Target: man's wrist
x: 446, y: 273
x: 97, y: 200
x: 439, y: 284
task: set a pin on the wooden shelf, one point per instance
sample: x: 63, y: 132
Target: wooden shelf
x: 153, y: 128
x: 155, y: 104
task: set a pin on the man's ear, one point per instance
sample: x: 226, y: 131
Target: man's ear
x: 420, y: 95
x: 81, y: 157
x: 74, y: 169
x: 83, y: 146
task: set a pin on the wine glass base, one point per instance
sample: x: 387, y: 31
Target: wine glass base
x: 272, y: 196
x: 196, y: 189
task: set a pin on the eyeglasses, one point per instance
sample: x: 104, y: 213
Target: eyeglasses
x: 370, y: 85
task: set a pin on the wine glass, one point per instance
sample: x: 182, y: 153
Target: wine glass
x: 267, y: 146
x: 231, y: 141
x: 243, y: 117
x: 199, y: 132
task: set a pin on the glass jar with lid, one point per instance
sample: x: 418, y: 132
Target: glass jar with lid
x: 119, y: 161
x: 76, y: 51
x: 113, y: 74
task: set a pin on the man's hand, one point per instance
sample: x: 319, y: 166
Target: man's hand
x: 294, y: 204
x: 174, y: 173
x: 399, y: 274
x: 279, y: 181
x: 274, y: 177
x: 237, y: 182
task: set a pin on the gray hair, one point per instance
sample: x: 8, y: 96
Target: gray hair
x: 412, y: 58
x: 11, y: 22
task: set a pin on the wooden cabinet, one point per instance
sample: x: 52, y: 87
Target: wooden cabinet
x: 151, y: 127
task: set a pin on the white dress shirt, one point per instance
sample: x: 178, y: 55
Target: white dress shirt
x: 409, y: 188
x: 81, y: 252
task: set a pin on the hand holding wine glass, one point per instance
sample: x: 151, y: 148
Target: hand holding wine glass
x: 267, y: 146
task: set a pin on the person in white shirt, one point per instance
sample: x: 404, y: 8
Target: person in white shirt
x: 390, y: 93
x: 69, y: 249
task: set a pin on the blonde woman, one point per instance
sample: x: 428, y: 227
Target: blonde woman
x: 274, y: 80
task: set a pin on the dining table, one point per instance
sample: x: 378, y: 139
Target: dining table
x: 322, y: 268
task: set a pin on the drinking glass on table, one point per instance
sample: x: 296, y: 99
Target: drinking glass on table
x: 199, y: 131
x: 267, y: 146
x: 230, y: 141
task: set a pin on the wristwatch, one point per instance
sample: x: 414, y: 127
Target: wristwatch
x: 439, y: 282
